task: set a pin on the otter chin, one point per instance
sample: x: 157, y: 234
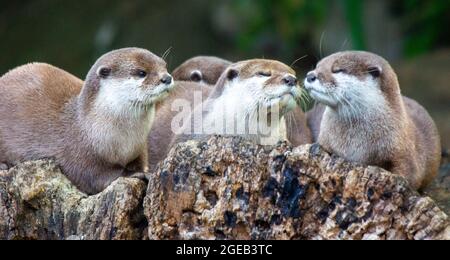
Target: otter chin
x: 367, y: 120
x: 95, y: 130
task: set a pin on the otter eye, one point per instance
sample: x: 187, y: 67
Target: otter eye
x: 232, y: 74
x: 196, y: 76
x: 375, y: 72
x: 104, y: 72
x: 141, y: 74
x: 264, y: 74
x: 338, y: 70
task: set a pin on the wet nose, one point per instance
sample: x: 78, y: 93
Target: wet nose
x: 167, y: 79
x: 291, y: 81
x: 311, y: 77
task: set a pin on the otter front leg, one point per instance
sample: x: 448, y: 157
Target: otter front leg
x: 139, y: 165
x: 409, y: 170
x: 139, y: 169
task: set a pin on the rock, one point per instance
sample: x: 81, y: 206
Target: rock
x: 439, y: 189
x: 230, y: 189
x: 38, y: 202
x: 224, y: 188
x: 3, y: 167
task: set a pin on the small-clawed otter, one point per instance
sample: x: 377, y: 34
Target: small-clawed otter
x: 94, y: 130
x: 368, y: 121
x: 249, y: 96
x: 195, y: 80
x: 201, y: 69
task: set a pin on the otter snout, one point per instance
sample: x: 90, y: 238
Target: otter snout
x: 167, y: 79
x: 311, y: 77
x: 290, y: 81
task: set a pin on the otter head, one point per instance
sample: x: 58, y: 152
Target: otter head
x: 201, y: 69
x: 261, y: 83
x: 353, y: 82
x: 124, y: 80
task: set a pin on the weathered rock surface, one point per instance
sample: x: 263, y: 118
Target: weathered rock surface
x: 229, y: 189
x: 439, y: 189
x: 223, y: 189
x: 38, y: 202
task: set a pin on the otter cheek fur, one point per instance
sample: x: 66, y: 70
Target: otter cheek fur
x: 367, y: 120
x: 95, y: 130
x: 350, y: 96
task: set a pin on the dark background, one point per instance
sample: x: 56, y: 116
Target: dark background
x: 413, y: 35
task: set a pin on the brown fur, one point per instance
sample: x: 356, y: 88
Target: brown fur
x: 211, y: 68
x: 298, y: 132
x: 43, y: 110
x: 403, y: 139
x: 161, y: 133
x: 314, y: 118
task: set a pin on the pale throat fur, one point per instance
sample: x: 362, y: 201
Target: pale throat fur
x: 118, y: 118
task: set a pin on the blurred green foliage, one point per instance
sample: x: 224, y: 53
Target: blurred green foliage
x: 293, y: 23
x: 72, y: 34
x: 426, y: 24
x: 354, y: 12
x: 267, y: 24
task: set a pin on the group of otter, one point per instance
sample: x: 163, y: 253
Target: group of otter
x: 121, y: 119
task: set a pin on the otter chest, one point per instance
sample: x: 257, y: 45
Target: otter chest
x: 122, y: 142
x: 362, y: 144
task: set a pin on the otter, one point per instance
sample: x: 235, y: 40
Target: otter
x: 95, y: 130
x: 201, y: 69
x: 195, y: 80
x: 367, y: 120
x: 250, y: 95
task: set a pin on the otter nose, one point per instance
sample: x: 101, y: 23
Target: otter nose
x: 167, y: 79
x: 291, y: 81
x: 311, y: 77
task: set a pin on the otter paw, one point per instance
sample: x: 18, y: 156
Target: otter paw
x: 141, y: 176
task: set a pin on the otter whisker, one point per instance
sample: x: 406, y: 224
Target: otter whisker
x: 291, y: 119
x: 297, y: 60
x: 344, y: 44
x: 347, y: 108
x: 321, y: 44
x: 355, y: 106
x: 166, y: 53
x: 304, y: 99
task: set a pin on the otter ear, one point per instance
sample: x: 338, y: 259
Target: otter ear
x: 196, y: 76
x: 375, y: 71
x: 232, y: 74
x: 103, y: 72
